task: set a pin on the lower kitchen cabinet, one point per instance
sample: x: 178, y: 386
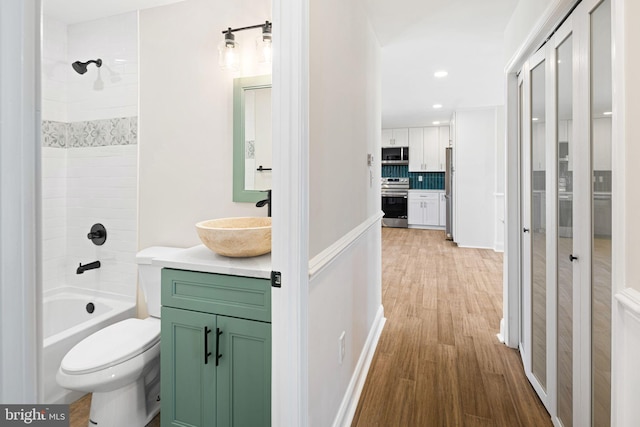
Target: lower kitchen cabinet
x: 424, y: 209
x: 215, y: 368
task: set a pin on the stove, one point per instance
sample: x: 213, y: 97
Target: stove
x: 395, y: 192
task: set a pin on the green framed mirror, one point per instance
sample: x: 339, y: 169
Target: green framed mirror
x: 251, y: 138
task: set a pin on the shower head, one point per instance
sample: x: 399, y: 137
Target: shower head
x: 81, y: 67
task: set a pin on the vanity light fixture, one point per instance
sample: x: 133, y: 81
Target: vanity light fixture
x: 534, y: 119
x: 228, y: 50
x: 436, y: 122
x: 437, y: 106
x: 607, y: 113
x: 440, y: 74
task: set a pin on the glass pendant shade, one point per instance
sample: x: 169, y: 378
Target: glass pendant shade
x: 263, y: 48
x: 229, y: 54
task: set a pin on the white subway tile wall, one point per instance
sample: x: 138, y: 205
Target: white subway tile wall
x: 54, y: 216
x: 102, y: 188
x: 89, y: 154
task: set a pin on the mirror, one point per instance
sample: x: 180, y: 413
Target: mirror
x: 251, y: 138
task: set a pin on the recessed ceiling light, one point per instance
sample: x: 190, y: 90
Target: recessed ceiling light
x: 436, y: 106
x: 607, y: 113
x: 440, y: 74
x: 436, y: 122
x: 534, y: 119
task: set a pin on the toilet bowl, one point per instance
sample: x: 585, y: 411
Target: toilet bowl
x: 120, y: 364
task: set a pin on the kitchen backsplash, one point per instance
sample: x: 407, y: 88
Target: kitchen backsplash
x: 430, y: 180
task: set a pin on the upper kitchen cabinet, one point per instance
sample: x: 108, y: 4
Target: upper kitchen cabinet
x: 427, y: 148
x: 395, y: 137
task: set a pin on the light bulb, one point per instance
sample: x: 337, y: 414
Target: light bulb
x: 263, y: 47
x: 228, y: 53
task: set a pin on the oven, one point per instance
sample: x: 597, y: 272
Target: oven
x: 395, y: 192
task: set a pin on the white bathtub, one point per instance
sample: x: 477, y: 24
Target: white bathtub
x: 67, y: 322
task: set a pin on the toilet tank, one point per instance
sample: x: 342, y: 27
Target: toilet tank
x: 149, y: 275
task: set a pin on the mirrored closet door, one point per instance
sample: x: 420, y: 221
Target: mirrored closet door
x: 565, y: 201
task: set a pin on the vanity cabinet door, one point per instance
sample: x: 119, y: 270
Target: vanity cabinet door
x: 244, y: 373
x: 188, y: 390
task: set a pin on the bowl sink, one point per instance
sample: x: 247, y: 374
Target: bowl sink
x: 236, y: 237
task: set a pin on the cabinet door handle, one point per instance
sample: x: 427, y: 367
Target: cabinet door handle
x: 207, y: 353
x: 218, y: 355
x: 526, y: 230
x: 572, y: 258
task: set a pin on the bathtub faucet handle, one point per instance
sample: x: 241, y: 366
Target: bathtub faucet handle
x: 97, y: 234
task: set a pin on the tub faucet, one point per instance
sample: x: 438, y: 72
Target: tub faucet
x: 267, y: 202
x: 82, y: 268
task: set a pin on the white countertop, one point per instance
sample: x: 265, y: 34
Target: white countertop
x: 422, y: 190
x: 200, y: 258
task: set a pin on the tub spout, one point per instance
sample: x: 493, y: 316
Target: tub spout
x: 82, y: 268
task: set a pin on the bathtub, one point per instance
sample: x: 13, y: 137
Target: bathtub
x: 67, y: 321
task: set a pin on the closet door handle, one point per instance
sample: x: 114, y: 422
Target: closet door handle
x: 207, y: 353
x: 572, y: 258
x: 526, y: 230
x: 218, y: 355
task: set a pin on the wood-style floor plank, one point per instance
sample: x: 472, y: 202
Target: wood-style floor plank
x: 443, y: 306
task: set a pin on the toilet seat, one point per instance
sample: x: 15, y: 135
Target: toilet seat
x: 111, y: 346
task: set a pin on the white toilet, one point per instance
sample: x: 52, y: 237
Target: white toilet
x: 120, y: 364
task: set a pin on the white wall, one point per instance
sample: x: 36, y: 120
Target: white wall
x: 500, y: 177
x: 186, y: 121
x: 525, y: 17
x: 475, y: 182
x: 344, y: 203
x: 344, y: 127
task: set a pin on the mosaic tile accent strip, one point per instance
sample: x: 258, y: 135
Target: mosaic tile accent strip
x: 54, y: 134
x: 94, y: 133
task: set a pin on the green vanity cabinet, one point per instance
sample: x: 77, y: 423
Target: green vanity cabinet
x: 216, y: 356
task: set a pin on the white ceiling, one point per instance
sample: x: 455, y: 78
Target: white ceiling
x: 74, y: 11
x: 419, y: 37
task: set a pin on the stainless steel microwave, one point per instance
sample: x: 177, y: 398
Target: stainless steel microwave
x: 395, y: 156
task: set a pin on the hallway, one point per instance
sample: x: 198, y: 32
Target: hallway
x: 438, y: 362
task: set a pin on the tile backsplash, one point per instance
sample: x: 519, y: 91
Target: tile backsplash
x: 430, y: 180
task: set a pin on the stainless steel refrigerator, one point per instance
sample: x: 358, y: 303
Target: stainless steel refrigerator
x: 448, y: 193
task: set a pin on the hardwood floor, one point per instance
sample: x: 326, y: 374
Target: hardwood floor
x: 79, y: 413
x: 438, y: 362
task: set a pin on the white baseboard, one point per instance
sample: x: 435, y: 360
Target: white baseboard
x: 351, y: 397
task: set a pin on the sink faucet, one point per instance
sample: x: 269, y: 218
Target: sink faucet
x: 266, y: 201
x: 82, y: 268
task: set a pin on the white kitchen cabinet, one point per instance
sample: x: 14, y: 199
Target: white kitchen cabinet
x: 443, y: 143
x: 427, y: 148
x: 416, y: 149
x: 424, y: 208
x: 395, y: 137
